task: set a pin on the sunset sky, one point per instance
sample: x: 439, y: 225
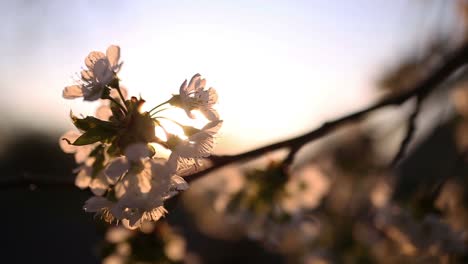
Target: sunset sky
x: 280, y: 67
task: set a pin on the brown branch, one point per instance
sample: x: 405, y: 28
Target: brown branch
x: 421, y: 89
x: 409, y: 132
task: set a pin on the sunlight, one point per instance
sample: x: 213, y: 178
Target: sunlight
x: 168, y: 124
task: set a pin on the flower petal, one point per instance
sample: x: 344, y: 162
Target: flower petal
x: 96, y: 204
x: 98, y: 186
x: 210, y: 113
x: 93, y: 92
x: 70, y: 136
x: 115, y: 94
x: 83, y: 178
x: 82, y: 153
x: 178, y: 183
x: 102, y: 71
x: 116, y: 169
x: 113, y: 55
x: 104, y: 112
x: 72, y: 92
x: 137, y: 151
x: 87, y: 75
x: 92, y: 57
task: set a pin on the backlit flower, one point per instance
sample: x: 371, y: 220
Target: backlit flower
x: 194, y: 97
x: 146, y: 193
x: 102, y: 70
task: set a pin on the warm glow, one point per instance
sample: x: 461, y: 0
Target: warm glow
x: 172, y: 127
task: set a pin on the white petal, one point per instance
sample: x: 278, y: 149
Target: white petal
x: 98, y: 186
x: 96, y: 203
x: 72, y: 92
x: 87, y: 75
x: 191, y: 86
x: 92, y: 93
x: 210, y: 113
x: 113, y: 55
x: 71, y: 136
x: 83, y: 179
x: 212, y: 96
x: 183, y: 88
x: 104, y: 112
x: 93, y: 56
x: 144, y: 181
x: 213, y: 127
x: 200, y: 85
x: 127, y: 225
x: 116, y: 169
x: 102, y: 71
x: 137, y: 151
x: 115, y: 94
x: 82, y: 153
x: 179, y: 183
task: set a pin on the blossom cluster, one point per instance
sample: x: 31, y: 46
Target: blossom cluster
x: 273, y: 204
x: 115, y: 149
x: 153, y: 243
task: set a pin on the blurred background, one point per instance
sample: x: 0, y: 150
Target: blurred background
x: 280, y: 69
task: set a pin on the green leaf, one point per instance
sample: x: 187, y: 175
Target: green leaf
x: 94, y: 135
x: 90, y: 122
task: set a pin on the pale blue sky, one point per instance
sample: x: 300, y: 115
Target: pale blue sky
x: 280, y: 67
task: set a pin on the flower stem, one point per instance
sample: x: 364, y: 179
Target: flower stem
x: 159, y: 105
x: 173, y: 121
x: 118, y: 104
x: 121, y: 95
x: 160, y: 110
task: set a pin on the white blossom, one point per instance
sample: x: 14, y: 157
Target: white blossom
x: 101, y: 70
x: 146, y: 190
x: 194, y: 96
x: 200, y: 144
x: 186, y: 154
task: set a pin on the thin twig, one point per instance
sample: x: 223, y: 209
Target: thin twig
x: 409, y: 132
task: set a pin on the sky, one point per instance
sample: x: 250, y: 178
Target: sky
x: 280, y: 67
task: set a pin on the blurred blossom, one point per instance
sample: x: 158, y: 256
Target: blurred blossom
x: 117, y: 234
x: 381, y: 194
x: 451, y: 202
x: 175, y: 248
x: 314, y: 259
x: 305, y: 189
x: 460, y: 98
x: 429, y: 237
x: 272, y: 207
x: 229, y: 182
x: 114, y: 259
x: 209, y: 197
x: 159, y: 243
x: 461, y: 135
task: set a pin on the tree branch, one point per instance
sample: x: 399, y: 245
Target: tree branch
x: 454, y: 62
x: 409, y: 132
